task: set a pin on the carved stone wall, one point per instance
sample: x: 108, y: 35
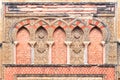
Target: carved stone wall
x: 41, y: 47
x: 77, y: 47
x: 7, y: 56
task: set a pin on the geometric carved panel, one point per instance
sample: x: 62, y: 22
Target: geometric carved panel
x: 41, y: 48
x: 77, y: 48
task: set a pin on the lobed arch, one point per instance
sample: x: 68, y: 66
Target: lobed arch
x: 92, y: 23
x: 21, y: 29
x: 60, y: 23
x: 77, y: 22
x: 44, y: 32
x: 26, y: 23
x: 23, y: 22
x: 78, y: 30
x: 41, y: 22
x: 98, y: 30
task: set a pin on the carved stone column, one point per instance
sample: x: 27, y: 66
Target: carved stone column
x: 50, y: 43
x: 32, y: 43
x: 104, y: 54
x: 14, y: 49
x: 86, y: 43
x: 68, y: 51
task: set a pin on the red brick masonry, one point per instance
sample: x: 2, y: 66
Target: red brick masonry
x: 10, y: 72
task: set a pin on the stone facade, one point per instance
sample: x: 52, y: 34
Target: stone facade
x: 59, y: 40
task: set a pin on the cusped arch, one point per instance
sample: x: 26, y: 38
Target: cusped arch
x: 15, y: 27
x: 77, y: 23
x: 41, y: 22
x: 59, y: 27
x: 23, y: 22
x: 77, y: 33
x: 97, y: 32
x: 41, y: 33
x: 100, y: 25
x: 22, y: 29
x: 60, y: 23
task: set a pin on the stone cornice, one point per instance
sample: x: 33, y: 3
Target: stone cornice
x: 59, y: 65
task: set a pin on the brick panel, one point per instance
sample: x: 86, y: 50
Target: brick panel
x: 107, y: 72
x: 59, y: 78
x: 59, y: 53
x: 95, y: 50
x: 23, y: 48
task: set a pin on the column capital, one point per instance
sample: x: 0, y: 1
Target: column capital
x: 68, y: 42
x: 15, y: 42
x: 50, y: 43
x: 86, y: 42
x: 32, y: 43
x: 103, y: 43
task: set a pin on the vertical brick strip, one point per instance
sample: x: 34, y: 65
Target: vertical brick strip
x: 59, y: 50
x: 23, y: 49
x: 95, y: 51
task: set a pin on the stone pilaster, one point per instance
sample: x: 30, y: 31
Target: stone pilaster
x: 14, y: 50
x: 104, y: 54
x: 32, y: 43
x: 86, y: 43
x: 68, y: 51
x: 50, y: 43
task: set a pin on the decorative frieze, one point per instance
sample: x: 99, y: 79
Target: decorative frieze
x: 60, y: 8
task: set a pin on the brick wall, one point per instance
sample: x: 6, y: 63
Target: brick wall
x: 23, y: 48
x: 59, y: 51
x: 95, y: 49
x: 106, y: 72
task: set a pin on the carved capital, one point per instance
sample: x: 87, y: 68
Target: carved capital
x: 15, y: 43
x: 68, y: 43
x: 32, y: 43
x: 118, y: 41
x: 103, y: 43
x: 50, y: 43
x: 86, y: 43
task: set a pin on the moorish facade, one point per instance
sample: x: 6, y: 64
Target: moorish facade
x: 59, y: 41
